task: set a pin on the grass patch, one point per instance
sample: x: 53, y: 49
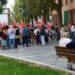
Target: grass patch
x: 9, y: 66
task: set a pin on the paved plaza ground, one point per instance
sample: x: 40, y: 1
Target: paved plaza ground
x: 42, y: 54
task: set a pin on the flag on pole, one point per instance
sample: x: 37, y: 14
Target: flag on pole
x: 22, y: 24
x: 30, y: 24
x: 39, y: 24
x: 48, y: 25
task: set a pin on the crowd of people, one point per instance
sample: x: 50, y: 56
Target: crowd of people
x: 13, y: 36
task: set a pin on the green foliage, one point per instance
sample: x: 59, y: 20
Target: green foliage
x: 17, y: 10
x: 2, y: 3
x: 33, y: 8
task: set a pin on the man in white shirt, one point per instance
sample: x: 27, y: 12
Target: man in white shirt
x: 64, y: 41
x: 36, y: 30
x: 37, y: 34
x: 11, y: 34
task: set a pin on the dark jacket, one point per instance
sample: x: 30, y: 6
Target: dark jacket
x: 71, y: 44
x: 26, y: 31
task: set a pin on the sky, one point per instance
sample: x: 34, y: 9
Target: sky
x: 10, y: 4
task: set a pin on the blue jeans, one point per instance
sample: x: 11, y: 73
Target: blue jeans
x: 8, y: 45
x: 12, y: 43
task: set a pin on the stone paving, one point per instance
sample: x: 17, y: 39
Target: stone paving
x: 42, y: 54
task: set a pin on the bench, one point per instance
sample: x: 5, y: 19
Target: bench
x: 68, y: 53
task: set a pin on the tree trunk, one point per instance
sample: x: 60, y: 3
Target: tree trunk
x: 59, y: 17
x: 36, y: 17
x: 47, y: 16
x: 59, y: 10
x: 44, y: 19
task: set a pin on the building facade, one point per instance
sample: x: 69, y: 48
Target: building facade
x: 68, y: 12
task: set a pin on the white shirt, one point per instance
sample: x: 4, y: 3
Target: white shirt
x: 35, y: 31
x: 11, y: 33
x: 64, y: 41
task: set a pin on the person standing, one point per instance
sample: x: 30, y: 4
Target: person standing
x: 25, y: 37
x: 57, y: 33
x: 43, y: 33
x: 11, y: 34
x: 46, y: 35
x: 21, y: 34
x: 4, y: 38
x: 62, y: 30
x: 37, y: 34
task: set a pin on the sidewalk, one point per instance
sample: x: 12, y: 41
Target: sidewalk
x: 42, y: 54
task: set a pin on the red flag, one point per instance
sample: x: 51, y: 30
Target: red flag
x: 14, y: 23
x: 48, y: 25
x: 22, y: 24
x: 38, y: 23
x: 42, y: 18
x: 30, y: 24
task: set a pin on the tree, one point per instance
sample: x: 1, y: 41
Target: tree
x: 2, y: 3
x: 58, y: 8
x: 33, y: 8
x: 17, y: 11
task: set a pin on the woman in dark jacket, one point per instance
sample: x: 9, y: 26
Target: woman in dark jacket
x: 71, y: 44
x: 17, y: 37
x: 4, y: 39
